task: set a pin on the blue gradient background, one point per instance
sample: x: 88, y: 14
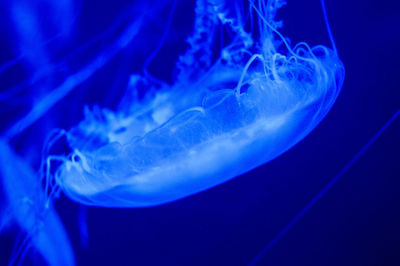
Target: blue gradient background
x: 355, y: 223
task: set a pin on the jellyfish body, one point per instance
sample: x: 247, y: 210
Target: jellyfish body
x: 23, y: 204
x: 219, y: 119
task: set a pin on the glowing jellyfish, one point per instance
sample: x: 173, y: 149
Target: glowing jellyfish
x: 25, y: 209
x: 23, y: 203
x: 227, y: 111
x: 219, y: 119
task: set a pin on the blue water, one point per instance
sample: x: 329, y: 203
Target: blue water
x: 353, y: 224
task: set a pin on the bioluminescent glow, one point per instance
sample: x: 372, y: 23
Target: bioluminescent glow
x: 23, y: 202
x: 239, y: 96
x: 219, y: 118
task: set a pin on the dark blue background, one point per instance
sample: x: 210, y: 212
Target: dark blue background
x: 355, y: 223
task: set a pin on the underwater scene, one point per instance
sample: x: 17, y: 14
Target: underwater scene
x: 202, y: 132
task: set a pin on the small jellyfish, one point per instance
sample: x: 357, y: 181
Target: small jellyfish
x: 225, y: 112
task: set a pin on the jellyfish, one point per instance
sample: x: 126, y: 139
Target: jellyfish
x: 228, y: 110
x: 240, y: 95
x: 27, y: 219
x: 22, y: 204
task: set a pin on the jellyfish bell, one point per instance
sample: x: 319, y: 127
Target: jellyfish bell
x: 218, y: 120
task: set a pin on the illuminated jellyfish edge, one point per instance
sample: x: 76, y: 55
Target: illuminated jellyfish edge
x: 225, y: 157
x: 24, y: 204
x: 191, y: 175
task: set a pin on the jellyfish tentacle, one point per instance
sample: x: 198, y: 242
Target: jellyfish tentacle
x: 246, y: 67
x: 199, y: 53
x: 44, y: 104
x: 162, y: 40
x: 24, y: 197
x: 328, y: 27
